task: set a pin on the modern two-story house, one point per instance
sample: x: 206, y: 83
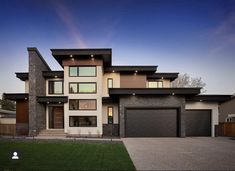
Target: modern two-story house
x: 92, y: 97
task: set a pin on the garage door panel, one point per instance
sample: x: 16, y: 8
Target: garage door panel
x: 198, y: 122
x: 151, y: 123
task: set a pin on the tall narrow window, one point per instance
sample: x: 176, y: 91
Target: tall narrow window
x: 110, y: 115
x: 110, y: 83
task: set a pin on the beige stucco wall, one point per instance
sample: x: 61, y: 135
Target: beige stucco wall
x: 98, y: 96
x: 26, y: 83
x: 7, y: 120
x: 105, y: 113
x: 207, y: 105
x: 116, y: 82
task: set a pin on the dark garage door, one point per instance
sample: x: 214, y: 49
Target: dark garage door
x: 151, y: 123
x: 198, y: 122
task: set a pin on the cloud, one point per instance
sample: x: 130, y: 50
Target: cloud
x: 65, y: 16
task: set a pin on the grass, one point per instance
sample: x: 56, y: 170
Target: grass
x: 63, y: 155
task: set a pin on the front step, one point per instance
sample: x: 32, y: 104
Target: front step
x: 57, y: 133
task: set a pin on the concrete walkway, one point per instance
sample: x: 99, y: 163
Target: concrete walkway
x: 181, y: 153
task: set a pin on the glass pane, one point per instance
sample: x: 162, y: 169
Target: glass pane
x: 73, y: 71
x: 87, y: 88
x: 51, y: 87
x: 87, y: 104
x: 73, y: 104
x: 58, y: 87
x: 152, y: 84
x: 87, y: 71
x: 110, y: 83
x: 110, y: 111
x: 82, y: 121
x: 160, y: 84
x: 73, y: 88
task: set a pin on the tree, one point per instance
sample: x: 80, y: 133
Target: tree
x: 7, y: 104
x: 184, y: 80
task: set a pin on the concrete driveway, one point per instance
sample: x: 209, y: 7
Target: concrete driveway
x: 181, y: 153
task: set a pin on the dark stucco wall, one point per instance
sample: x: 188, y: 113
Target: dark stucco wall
x: 225, y: 109
x: 37, y: 87
x: 152, y: 102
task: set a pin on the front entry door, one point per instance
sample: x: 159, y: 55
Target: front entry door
x: 56, y: 117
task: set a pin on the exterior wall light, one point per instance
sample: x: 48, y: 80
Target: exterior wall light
x: 70, y: 56
x: 136, y: 71
x: 92, y: 56
x: 133, y: 94
x: 48, y: 102
x: 72, y: 59
x: 173, y: 94
x: 200, y: 100
x: 162, y: 78
x: 56, y: 76
x: 59, y: 102
x: 113, y: 71
x: 26, y: 98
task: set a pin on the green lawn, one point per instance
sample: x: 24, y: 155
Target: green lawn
x: 64, y: 155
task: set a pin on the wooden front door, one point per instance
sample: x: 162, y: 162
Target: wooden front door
x: 56, y: 117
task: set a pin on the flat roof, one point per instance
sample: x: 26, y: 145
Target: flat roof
x: 53, y: 74
x: 52, y: 99
x: 210, y: 98
x: 129, y: 68
x: 23, y: 76
x: 164, y: 75
x: 105, y: 54
x: 154, y: 91
x: 16, y: 96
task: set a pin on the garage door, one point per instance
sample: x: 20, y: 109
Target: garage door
x: 151, y: 123
x: 198, y: 122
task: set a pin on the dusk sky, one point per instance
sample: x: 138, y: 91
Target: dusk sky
x: 192, y: 36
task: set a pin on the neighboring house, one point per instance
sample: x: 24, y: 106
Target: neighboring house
x: 92, y: 97
x: 227, y: 111
x: 7, y: 122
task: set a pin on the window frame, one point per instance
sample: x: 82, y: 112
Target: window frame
x: 50, y: 81
x: 93, y: 66
x: 77, y: 87
x: 108, y: 107
x: 83, y: 109
x: 108, y: 82
x: 157, y: 84
x: 87, y: 92
x: 83, y: 126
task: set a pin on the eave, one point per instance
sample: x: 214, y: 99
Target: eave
x: 164, y: 75
x: 23, y: 76
x: 52, y: 99
x: 53, y: 74
x: 210, y: 98
x: 138, y: 69
x: 16, y: 96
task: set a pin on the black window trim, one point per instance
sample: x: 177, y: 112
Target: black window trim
x: 49, y: 81
x: 83, y: 109
x: 83, y: 126
x: 78, y: 66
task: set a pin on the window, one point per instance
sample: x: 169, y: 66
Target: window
x: 73, y: 104
x: 87, y: 71
x: 73, y: 71
x: 155, y: 84
x: 110, y: 83
x: 87, y: 104
x: 73, y: 88
x: 110, y: 115
x: 82, y: 71
x: 87, y: 87
x: 82, y: 121
x: 55, y: 87
x: 82, y: 104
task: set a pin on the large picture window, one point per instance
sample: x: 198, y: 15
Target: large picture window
x: 82, y: 104
x: 87, y: 87
x: 55, y: 87
x: 155, y: 84
x: 82, y: 121
x: 82, y: 71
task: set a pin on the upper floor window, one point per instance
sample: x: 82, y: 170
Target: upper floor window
x: 110, y: 83
x: 82, y: 104
x: 55, y: 87
x: 155, y: 84
x: 87, y: 87
x: 82, y: 71
x: 110, y: 115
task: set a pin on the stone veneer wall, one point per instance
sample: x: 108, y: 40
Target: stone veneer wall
x: 152, y: 102
x: 37, y: 87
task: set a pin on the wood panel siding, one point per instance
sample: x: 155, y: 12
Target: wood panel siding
x: 22, y: 112
x: 58, y: 117
x: 227, y: 129
x: 132, y: 81
x: 85, y: 62
x: 7, y: 129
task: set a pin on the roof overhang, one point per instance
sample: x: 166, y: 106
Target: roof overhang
x: 23, y: 76
x: 52, y: 99
x: 154, y: 91
x: 53, y: 74
x: 209, y: 98
x: 16, y: 96
x: 164, y: 75
x: 104, y: 54
x: 126, y: 69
